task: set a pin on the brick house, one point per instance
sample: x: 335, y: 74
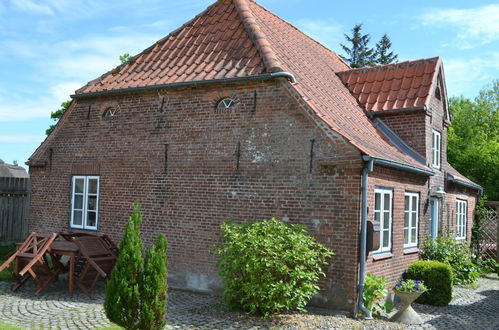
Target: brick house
x: 239, y: 115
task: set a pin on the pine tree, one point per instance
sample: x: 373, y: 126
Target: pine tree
x: 382, y: 54
x: 153, y: 286
x: 122, y: 299
x: 359, y: 54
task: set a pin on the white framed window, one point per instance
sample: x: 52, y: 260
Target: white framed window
x: 411, y: 219
x: 436, y: 147
x: 85, y: 202
x: 461, y: 209
x: 383, y: 213
x: 226, y: 104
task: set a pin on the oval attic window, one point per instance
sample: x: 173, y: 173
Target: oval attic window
x: 110, y: 112
x: 226, y: 103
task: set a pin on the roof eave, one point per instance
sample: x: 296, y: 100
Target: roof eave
x: 192, y: 83
x: 449, y: 177
x: 398, y: 165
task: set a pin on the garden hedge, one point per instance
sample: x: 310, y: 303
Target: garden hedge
x: 438, y: 278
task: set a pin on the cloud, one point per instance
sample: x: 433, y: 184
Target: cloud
x: 14, y: 138
x: 475, y: 26
x: 470, y: 74
x: 31, y: 6
x: 327, y: 32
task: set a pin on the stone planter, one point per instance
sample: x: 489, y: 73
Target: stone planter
x: 406, y: 314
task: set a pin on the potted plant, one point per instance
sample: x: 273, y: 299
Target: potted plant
x: 408, y: 291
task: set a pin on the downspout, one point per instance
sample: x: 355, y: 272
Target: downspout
x: 363, y: 238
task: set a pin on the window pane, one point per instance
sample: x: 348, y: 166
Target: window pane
x: 385, y: 239
x: 406, y: 236
x: 79, y: 184
x: 91, y: 221
x: 414, y: 219
x: 377, y: 201
x: 92, y: 186
x: 414, y: 203
x: 77, y: 216
x: 407, y: 203
x: 78, y: 202
x: 406, y: 219
x: 386, y: 205
x: 92, y: 203
x: 377, y: 216
x: 386, y: 220
x: 413, y: 235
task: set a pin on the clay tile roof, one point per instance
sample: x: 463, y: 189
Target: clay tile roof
x: 408, y: 84
x: 237, y: 38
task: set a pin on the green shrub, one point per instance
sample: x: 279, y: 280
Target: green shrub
x: 375, y: 293
x: 135, y: 295
x: 438, y: 278
x: 447, y: 250
x: 154, y: 286
x: 268, y: 267
x: 122, y: 301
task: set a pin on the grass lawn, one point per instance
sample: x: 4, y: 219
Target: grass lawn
x: 4, y: 326
x: 5, y: 275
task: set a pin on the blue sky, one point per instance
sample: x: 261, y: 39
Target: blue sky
x: 49, y: 48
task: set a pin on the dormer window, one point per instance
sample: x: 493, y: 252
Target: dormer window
x: 436, y: 147
x: 226, y: 104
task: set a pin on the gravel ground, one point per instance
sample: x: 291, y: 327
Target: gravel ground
x: 471, y: 308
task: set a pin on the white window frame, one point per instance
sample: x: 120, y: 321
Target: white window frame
x: 84, y: 210
x: 384, y: 231
x: 461, y: 218
x: 436, y: 149
x: 409, y: 211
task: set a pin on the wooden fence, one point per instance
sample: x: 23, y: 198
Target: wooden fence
x: 14, y: 209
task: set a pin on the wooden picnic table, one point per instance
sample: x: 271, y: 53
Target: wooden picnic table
x: 65, y: 248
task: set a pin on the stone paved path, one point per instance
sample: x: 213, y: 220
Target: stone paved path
x: 470, y: 309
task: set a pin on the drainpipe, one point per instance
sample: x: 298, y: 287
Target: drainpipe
x: 363, y: 237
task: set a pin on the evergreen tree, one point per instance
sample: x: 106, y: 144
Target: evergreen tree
x: 359, y: 54
x: 122, y: 300
x: 382, y: 54
x: 153, y: 287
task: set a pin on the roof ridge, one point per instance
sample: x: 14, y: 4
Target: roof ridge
x: 393, y: 65
x: 256, y: 34
x: 297, y: 29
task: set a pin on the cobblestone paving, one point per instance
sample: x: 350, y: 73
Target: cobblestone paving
x: 470, y: 309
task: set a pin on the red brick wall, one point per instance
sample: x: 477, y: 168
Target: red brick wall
x: 392, y: 265
x: 201, y: 186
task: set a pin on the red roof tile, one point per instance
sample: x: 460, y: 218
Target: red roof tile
x: 407, y: 82
x: 237, y: 38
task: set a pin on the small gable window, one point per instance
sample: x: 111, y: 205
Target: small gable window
x: 110, y: 112
x: 437, y: 94
x: 226, y: 104
x: 436, y: 147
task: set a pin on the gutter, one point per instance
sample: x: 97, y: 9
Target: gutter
x: 274, y: 75
x: 363, y: 238
x: 472, y: 185
x: 400, y: 166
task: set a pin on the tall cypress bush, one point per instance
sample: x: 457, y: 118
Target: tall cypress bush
x: 121, y: 301
x: 153, y: 286
x: 135, y: 296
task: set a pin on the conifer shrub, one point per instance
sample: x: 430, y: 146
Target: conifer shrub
x: 153, y: 286
x: 268, y: 267
x: 437, y: 277
x: 135, y: 295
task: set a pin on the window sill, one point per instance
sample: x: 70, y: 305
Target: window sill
x: 381, y: 256
x: 411, y: 250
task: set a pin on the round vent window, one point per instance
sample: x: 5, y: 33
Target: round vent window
x: 110, y: 112
x: 226, y: 103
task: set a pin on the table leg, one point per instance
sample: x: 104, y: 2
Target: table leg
x: 71, y: 274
